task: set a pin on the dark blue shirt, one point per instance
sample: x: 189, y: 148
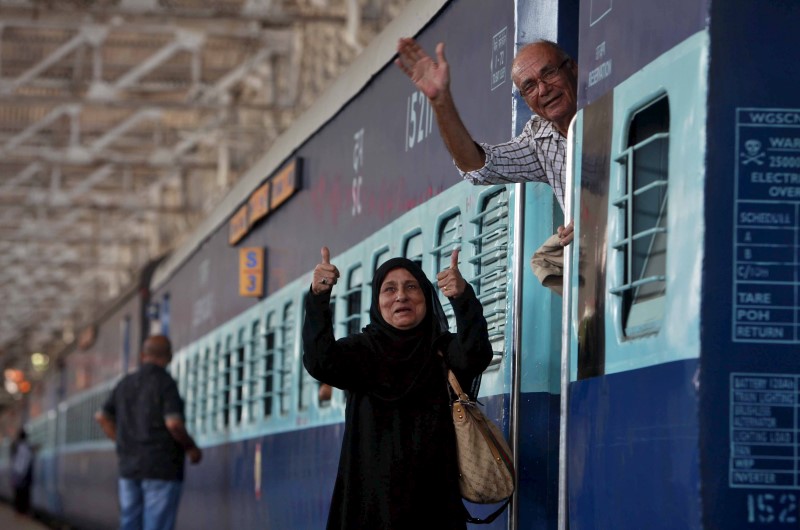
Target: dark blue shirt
x: 139, y: 405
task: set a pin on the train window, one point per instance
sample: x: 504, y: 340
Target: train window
x: 214, y: 383
x: 254, y: 368
x: 308, y: 385
x: 412, y: 248
x: 642, y: 209
x: 126, y: 343
x: 352, y: 299
x: 268, y: 371
x: 237, y: 379
x: 190, y: 389
x: 201, y: 421
x: 378, y: 258
x: 286, y: 348
x: 165, y: 315
x: 448, y: 238
x: 491, y: 264
x: 225, y: 365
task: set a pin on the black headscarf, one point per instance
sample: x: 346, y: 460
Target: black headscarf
x: 403, y: 356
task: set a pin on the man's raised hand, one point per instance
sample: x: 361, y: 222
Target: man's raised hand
x: 429, y: 76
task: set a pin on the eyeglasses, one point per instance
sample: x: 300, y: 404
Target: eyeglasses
x: 531, y: 88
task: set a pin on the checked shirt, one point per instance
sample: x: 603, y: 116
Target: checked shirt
x: 538, y: 154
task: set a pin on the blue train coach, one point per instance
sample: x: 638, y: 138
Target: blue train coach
x: 661, y: 391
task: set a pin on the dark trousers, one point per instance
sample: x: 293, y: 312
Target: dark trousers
x: 22, y: 499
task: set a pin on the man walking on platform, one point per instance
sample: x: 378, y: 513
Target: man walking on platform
x: 144, y: 416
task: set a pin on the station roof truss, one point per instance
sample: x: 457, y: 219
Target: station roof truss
x: 124, y: 122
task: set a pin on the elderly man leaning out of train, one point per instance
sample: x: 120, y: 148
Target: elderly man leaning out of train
x: 547, y: 78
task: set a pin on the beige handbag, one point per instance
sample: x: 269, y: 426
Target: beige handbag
x: 486, y: 470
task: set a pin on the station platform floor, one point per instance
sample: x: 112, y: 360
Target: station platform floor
x: 9, y: 520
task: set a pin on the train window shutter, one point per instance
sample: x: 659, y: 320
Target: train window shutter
x: 448, y: 238
x: 490, y: 261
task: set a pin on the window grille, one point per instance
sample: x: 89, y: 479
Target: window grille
x: 201, y: 421
x: 270, y: 350
x: 190, y: 389
x: 237, y: 378
x: 308, y: 385
x: 79, y: 417
x: 224, y: 367
x: 255, y: 367
x: 285, y: 351
x: 642, y: 211
x: 214, y: 385
x: 352, y: 298
x: 214, y: 388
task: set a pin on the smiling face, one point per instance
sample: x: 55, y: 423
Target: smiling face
x: 555, y: 101
x: 401, y: 300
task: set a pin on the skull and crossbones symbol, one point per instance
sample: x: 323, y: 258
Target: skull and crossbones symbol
x: 752, y: 152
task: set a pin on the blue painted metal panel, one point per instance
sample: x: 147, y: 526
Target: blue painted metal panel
x: 88, y: 488
x: 538, y: 464
x: 633, y: 446
x: 750, y: 372
x: 397, y: 170
x: 45, y: 496
x: 619, y: 37
x: 297, y: 472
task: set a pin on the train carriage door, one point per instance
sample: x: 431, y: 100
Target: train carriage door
x: 632, y: 337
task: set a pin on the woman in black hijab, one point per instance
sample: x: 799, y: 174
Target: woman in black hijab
x: 397, y: 467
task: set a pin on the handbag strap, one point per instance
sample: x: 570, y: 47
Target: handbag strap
x: 451, y: 378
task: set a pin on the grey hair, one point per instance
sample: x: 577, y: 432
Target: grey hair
x: 551, y: 44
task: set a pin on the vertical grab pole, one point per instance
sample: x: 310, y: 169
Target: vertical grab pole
x: 566, y: 308
x: 516, y: 343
